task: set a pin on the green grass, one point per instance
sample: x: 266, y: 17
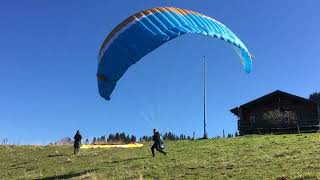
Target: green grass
x: 248, y: 157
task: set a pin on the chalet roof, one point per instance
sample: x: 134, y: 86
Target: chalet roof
x: 273, y: 94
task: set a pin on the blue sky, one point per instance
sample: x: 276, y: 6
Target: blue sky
x: 48, y: 65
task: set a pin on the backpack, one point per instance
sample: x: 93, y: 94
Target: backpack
x: 161, y: 143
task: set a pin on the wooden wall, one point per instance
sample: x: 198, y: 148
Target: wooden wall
x: 307, y: 114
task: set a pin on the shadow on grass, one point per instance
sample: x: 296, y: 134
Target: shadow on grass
x: 55, y: 155
x: 18, y: 165
x: 67, y: 176
x: 128, y: 160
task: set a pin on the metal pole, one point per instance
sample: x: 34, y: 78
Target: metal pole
x: 318, y: 114
x: 204, y: 100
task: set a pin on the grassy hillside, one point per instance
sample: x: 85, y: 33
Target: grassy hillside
x: 250, y: 157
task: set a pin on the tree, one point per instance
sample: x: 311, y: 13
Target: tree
x: 127, y: 139
x: 94, y: 140
x: 315, y: 97
x: 236, y: 134
x: 181, y: 137
x: 133, y: 139
x: 165, y: 136
x: 103, y: 140
x: 110, y: 138
x: 123, y: 137
x: 146, y: 138
x: 87, y: 141
x: 117, y: 137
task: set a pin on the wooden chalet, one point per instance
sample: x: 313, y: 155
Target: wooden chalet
x: 251, y: 119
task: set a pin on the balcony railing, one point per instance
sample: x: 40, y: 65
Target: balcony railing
x: 251, y: 128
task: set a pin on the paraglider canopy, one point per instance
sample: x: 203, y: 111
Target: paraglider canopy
x: 144, y: 31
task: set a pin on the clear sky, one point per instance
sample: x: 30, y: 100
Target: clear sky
x: 48, y: 65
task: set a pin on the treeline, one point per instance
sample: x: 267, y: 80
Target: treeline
x: 4, y: 141
x: 167, y: 136
x: 229, y: 135
x: 113, y: 138
x: 116, y: 138
x: 171, y: 136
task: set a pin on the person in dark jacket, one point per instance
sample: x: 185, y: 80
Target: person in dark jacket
x: 157, y: 143
x: 77, y: 142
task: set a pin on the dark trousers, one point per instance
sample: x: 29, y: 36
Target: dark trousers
x: 76, y: 147
x: 157, y: 147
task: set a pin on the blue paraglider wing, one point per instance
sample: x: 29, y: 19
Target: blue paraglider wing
x: 143, y: 32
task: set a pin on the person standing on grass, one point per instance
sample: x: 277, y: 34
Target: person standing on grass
x: 77, y: 142
x: 157, y: 143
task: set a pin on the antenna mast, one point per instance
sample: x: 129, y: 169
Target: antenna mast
x: 205, y: 135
